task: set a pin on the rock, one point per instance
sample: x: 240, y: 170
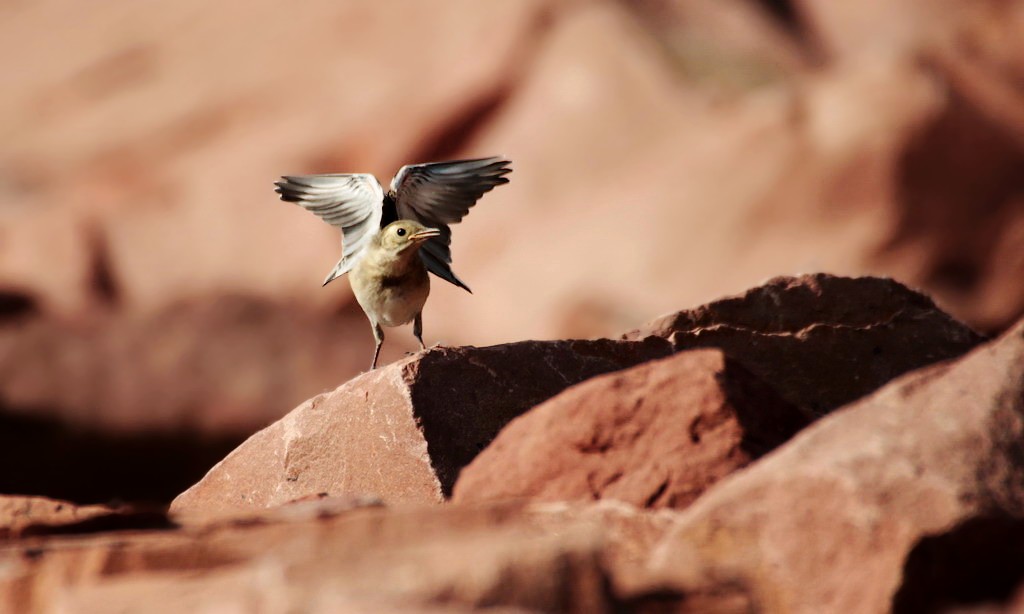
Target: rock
x: 201, y: 166
x: 628, y: 534
x: 20, y: 512
x: 830, y: 521
x: 426, y: 559
x: 217, y: 364
x: 654, y: 436
x: 820, y: 340
x: 870, y: 30
x: 146, y: 403
x: 959, y: 221
x: 404, y: 431
x: 734, y: 45
x: 832, y: 158
x: 953, y: 187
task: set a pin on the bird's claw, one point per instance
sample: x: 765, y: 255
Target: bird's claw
x: 424, y: 349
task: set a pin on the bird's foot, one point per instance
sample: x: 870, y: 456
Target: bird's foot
x: 425, y: 349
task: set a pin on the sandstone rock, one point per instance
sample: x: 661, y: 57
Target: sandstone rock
x: 404, y: 431
x: 215, y: 364
x: 858, y: 170
x: 656, y: 435
x: 439, y: 559
x: 735, y: 45
x: 846, y: 33
x: 820, y: 340
x: 180, y: 186
x: 829, y: 521
x: 146, y: 403
x: 778, y: 180
x: 955, y: 189
x: 19, y: 512
x: 792, y: 171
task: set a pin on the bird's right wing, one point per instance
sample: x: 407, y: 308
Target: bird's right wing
x: 352, y: 202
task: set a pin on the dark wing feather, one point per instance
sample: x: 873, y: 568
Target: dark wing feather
x: 441, y: 193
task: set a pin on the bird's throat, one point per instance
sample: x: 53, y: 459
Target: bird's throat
x: 392, y: 268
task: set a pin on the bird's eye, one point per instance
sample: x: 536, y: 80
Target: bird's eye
x: 400, y: 232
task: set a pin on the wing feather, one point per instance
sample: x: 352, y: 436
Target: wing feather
x: 351, y: 202
x: 441, y: 193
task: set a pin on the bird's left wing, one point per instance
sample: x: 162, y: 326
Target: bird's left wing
x: 441, y: 193
x: 351, y: 202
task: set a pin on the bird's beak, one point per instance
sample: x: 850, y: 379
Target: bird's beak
x: 425, y: 234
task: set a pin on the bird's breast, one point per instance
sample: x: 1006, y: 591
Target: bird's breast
x: 388, y: 297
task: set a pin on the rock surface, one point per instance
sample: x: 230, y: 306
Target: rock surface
x: 816, y: 118
x: 688, y: 149
x: 139, y: 406
x: 19, y: 512
x: 654, y: 436
x: 821, y: 340
x: 404, y: 431
x: 829, y: 521
x: 715, y: 143
x: 220, y: 364
x: 454, y: 559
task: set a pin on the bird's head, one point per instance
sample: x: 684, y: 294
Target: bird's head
x: 403, y: 235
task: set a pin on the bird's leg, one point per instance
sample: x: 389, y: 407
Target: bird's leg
x: 417, y: 329
x: 378, y: 336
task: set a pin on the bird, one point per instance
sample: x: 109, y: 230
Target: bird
x: 391, y: 240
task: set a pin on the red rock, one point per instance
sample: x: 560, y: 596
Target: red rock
x: 790, y: 170
x: 439, y: 559
x: 146, y: 403
x: 20, y: 512
x: 404, y: 431
x: 656, y: 435
x: 820, y: 340
x: 828, y: 522
x: 180, y: 187
x: 216, y: 364
x: 734, y: 45
x: 773, y: 154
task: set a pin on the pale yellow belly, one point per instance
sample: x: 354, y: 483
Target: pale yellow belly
x: 396, y: 306
x: 391, y: 305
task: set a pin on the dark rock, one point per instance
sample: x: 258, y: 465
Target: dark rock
x: 820, y: 340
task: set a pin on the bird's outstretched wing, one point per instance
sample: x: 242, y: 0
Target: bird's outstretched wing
x: 352, y: 202
x: 441, y: 193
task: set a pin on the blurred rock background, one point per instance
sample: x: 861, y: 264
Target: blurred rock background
x: 156, y: 298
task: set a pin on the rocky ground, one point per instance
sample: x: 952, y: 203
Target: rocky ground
x: 781, y: 450
x: 813, y: 442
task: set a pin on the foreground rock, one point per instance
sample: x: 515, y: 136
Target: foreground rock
x: 404, y: 431
x: 836, y: 520
x: 821, y: 340
x: 18, y: 513
x: 656, y: 435
x: 322, y: 558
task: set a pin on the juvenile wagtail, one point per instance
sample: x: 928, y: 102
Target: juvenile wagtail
x: 390, y: 240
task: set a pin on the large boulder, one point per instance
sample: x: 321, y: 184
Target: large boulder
x: 404, y: 431
x: 906, y: 498
x: 821, y: 340
x: 656, y: 435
